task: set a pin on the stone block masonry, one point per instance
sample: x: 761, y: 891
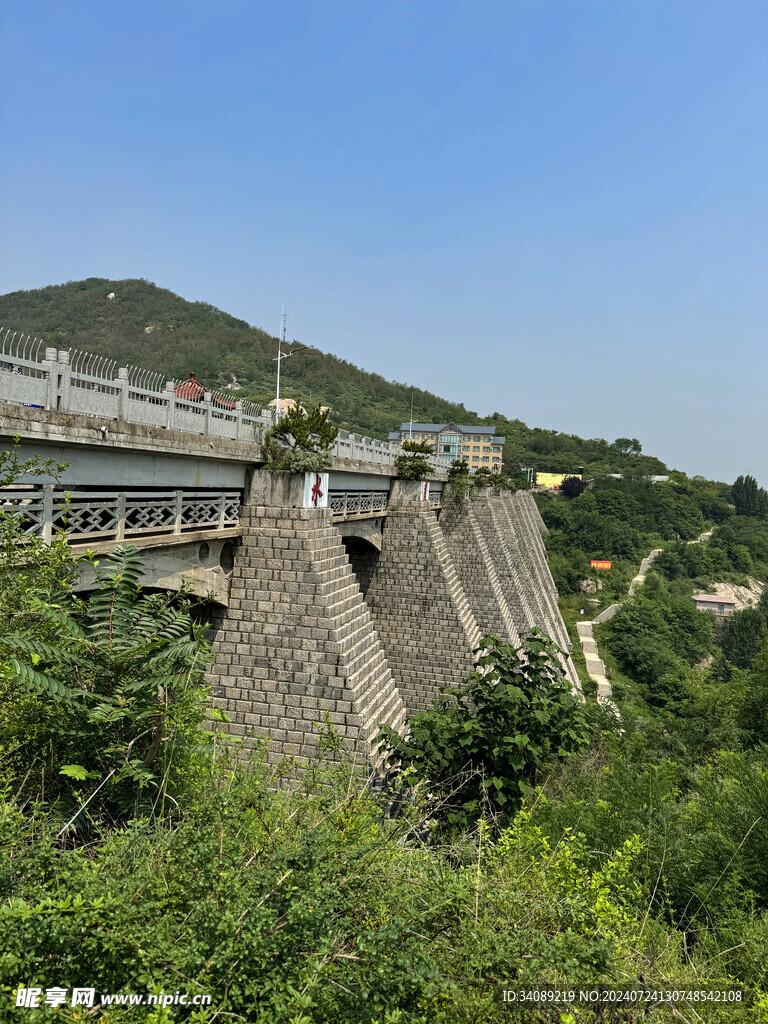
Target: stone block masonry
x: 525, y: 514
x: 510, y: 528
x: 534, y: 529
x: 462, y: 522
x: 298, y: 640
x: 501, y: 535
x: 419, y: 606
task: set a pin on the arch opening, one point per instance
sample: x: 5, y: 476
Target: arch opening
x: 363, y: 557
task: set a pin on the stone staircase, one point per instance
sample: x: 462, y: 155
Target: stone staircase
x: 596, y: 668
x: 645, y: 565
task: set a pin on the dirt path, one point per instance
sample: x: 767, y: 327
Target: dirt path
x: 595, y: 665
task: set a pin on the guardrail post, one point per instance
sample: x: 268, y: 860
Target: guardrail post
x: 238, y: 419
x: 169, y: 394
x: 64, y: 379
x: 51, y: 365
x: 120, y: 533
x: 179, y: 500
x: 122, y: 383
x: 208, y: 414
x: 47, y: 514
x: 222, y: 510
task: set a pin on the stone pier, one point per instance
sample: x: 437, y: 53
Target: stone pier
x: 419, y: 607
x: 298, y: 640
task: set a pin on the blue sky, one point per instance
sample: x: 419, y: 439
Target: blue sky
x: 574, y: 191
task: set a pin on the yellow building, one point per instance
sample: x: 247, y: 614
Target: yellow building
x: 477, y: 446
x: 553, y: 480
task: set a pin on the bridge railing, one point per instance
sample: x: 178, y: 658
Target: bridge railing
x: 46, y: 509
x: 356, y: 504
x: 370, y: 449
x: 80, y: 382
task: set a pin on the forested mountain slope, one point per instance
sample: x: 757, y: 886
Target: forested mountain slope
x: 153, y: 327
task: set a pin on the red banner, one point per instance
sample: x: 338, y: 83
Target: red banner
x: 595, y: 564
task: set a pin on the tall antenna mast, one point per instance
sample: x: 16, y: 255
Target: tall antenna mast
x: 280, y: 343
x: 410, y: 435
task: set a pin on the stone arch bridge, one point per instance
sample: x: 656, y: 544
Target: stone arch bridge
x: 362, y: 609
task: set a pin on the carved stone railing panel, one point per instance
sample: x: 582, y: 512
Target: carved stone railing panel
x: 357, y: 504
x: 116, y: 515
x: 27, y: 505
x: 153, y: 513
x: 85, y: 514
x: 197, y: 511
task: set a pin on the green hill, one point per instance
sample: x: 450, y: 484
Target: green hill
x: 154, y: 328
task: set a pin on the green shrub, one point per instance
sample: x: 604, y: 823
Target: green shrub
x: 484, y: 746
x: 301, y: 441
x: 115, y: 688
x: 412, y: 465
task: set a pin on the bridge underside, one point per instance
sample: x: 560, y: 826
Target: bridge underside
x: 363, y: 558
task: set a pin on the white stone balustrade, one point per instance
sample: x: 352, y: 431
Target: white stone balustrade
x: 76, y: 382
x: 72, y: 381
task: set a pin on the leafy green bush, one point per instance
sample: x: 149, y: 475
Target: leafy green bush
x: 693, y: 561
x: 655, y: 634
x: 301, y: 441
x: 115, y: 693
x: 742, y: 637
x: 483, y: 747
x: 744, y: 540
x: 412, y: 465
x: 312, y: 907
x: 572, y: 486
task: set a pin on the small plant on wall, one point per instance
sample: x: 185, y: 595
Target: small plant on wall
x: 483, y: 477
x: 413, y: 465
x: 460, y: 480
x: 301, y: 441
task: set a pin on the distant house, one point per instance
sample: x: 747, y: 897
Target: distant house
x: 291, y: 403
x: 477, y: 446
x: 714, y: 603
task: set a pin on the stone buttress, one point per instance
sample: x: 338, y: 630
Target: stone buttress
x: 419, y: 606
x: 495, y: 542
x: 526, y: 516
x: 298, y: 640
x: 474, y: 556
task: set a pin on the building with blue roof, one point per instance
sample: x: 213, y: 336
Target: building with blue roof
x: 479, y: 447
